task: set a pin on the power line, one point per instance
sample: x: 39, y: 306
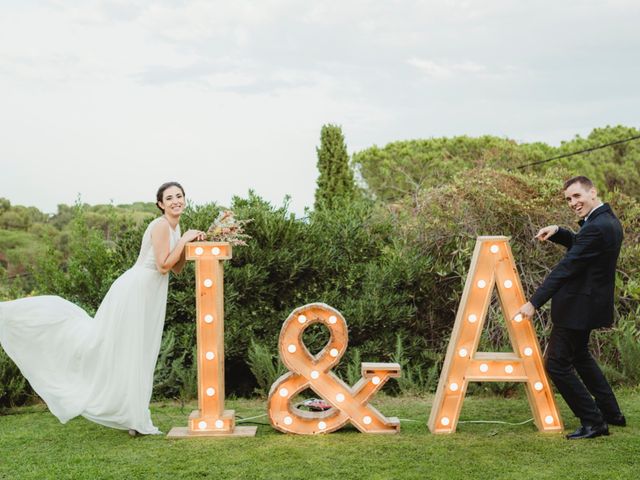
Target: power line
x: 617, y: 142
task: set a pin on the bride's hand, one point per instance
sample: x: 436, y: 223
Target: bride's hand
x: 193, y: 235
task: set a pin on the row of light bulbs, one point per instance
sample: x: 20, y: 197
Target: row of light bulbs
x: 214, y: 251
x: 288, y: 420
x: 473, y: 318
x: 302, y: 319
x: 483, y: 283
x: 538, y: 386
x: 208, y: 318
x: 202, y: 425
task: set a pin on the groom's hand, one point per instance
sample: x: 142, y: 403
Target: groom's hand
x: 546, y: 232
x: 526, y: 310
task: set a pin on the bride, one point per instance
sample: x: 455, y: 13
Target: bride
x: 102, y: 368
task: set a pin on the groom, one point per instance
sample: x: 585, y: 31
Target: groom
x: 581, y: 288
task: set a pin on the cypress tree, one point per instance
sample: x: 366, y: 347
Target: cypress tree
x: 335, y: 183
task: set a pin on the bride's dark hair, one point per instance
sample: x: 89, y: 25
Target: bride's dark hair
x: 161, y: 190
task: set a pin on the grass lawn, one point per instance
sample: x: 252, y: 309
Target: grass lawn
x: 34, y: 445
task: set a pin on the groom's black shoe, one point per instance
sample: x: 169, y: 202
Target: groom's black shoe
x: 617, y: 420
x: 589, y: 431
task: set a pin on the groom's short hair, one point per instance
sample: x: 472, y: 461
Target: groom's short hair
x: 581, y: 179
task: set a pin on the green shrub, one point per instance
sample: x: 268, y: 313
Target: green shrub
x: 265, y: 366
x: 14, y: 389
x: 419, y: 374
x: 627, y: 342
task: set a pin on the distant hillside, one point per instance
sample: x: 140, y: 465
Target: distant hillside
x: 26, y: 233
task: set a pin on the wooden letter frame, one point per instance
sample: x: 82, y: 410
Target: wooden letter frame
x: 492, y: 264
x: 211, y: 419
x: 349, y: 404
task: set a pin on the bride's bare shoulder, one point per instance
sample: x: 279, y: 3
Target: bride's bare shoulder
x: 159, y: 225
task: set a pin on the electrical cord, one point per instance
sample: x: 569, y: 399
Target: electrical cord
x: 240, y: 419
x: 591, y: 149
x: 251, y: 420
x: 248, y: 420
x: 475, y: 421
x: 496, y: 421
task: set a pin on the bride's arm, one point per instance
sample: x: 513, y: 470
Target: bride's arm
x: 170, y: 259
x: 177, y: 268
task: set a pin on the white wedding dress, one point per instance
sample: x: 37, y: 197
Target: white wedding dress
x: 101, y: 368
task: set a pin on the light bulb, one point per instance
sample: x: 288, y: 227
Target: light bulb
x: 528, y: 351
x: 199, y: 251
x: 453, y: 387
x: 208, y: 282
x: 508, y: 369
x: 463, y: 352
x: 482, y: 284
x: 210, y: 355
x: 339, y: 397
x: 444, y: 421
x: 315, y: 374
x: 211, y: 392
x: 484, y: 367
x: 302, y: 318
x: 292, y: 348
x: 366, y: 420
x: 508, y: 284
x: 472, y: 318
x: 208, y: 318
x: 288, y: 420
x: 284, y: 392
x: 322, y: 425
x: 518, y: 318
x: 215, y: 251
x: 202, y: 425
x: 548, y: 420
x: 334, y: 352
x: 494, y: 249
x: 219, y: 424
x: 538, y: 386
x: 375, y: 380
x: 333, y: 319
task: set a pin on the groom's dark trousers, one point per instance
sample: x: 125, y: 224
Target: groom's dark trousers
x: 581, y: 290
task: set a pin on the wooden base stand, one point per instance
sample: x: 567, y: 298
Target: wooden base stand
x: 178, y: 433
x: 227, y: 428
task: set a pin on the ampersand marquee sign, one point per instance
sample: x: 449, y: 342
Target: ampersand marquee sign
x: 492, y: 265
x: 349, y: 404
x: 211, y: 419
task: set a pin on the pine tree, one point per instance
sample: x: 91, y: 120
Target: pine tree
x: 335, y: 183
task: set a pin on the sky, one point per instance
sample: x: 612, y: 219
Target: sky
x: 107, y: 99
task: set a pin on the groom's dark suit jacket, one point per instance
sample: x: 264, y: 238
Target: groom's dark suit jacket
x: 581, y: 286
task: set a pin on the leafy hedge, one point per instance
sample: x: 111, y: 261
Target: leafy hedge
x: 408, y: 168
x: 395, y: 271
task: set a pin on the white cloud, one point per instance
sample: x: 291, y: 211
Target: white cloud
x: 443, y: 71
